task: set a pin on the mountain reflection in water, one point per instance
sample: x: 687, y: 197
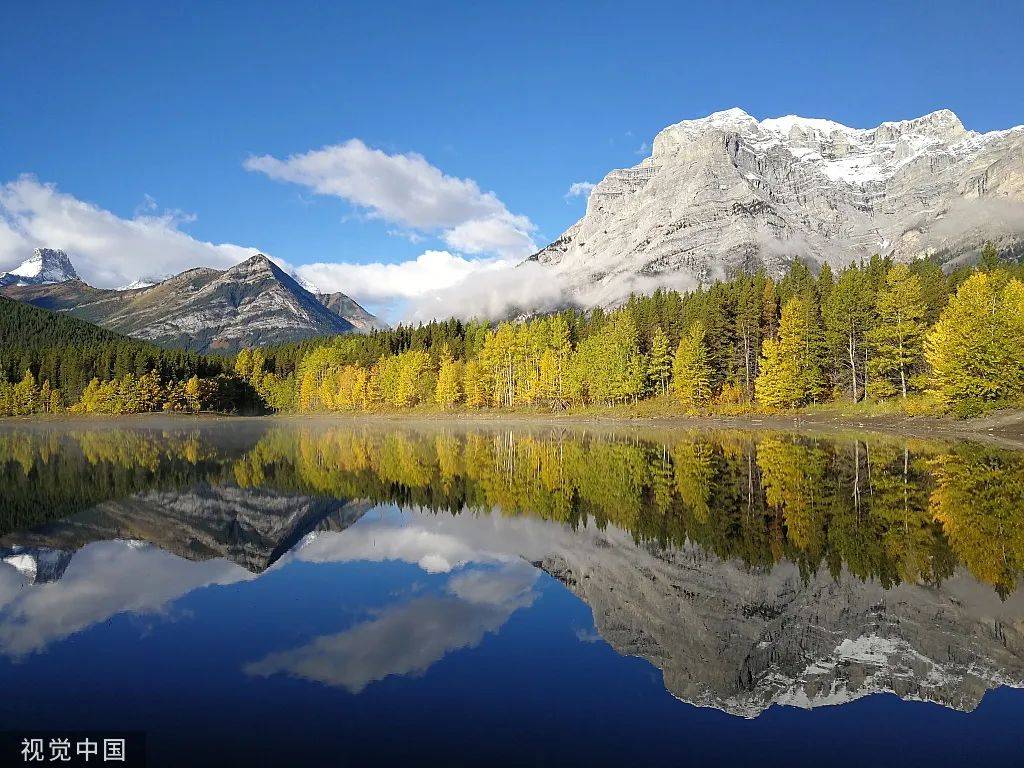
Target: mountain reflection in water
x: 751, y: 568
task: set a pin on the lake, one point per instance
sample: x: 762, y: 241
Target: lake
x: 288, y: 592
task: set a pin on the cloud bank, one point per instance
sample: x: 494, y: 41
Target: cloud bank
x: 430, y: 272
x: 107, y: 250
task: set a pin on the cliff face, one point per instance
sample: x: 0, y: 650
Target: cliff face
x: 727, y: 192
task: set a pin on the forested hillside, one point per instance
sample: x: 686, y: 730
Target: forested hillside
x: 50, y: 362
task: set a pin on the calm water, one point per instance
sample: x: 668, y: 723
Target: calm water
x: 289, y: 593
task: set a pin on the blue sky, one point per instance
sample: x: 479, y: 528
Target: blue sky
x: 151, y: 129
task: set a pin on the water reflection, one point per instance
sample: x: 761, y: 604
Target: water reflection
x: 751, y: 568
x: 103, y: 579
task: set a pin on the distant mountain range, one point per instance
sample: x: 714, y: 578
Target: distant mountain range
x: 728, y: 192
x: 254, y: 303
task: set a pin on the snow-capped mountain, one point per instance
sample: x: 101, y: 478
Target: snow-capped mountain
x: 252, y: 528
x: 727, y: 192
x: 45, y: 266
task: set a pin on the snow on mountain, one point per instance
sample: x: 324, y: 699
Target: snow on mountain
x: 728, y: 192
x: 146, y: 281
x: 136, y: 285
x: 45, y: 266
x: 303, y: 282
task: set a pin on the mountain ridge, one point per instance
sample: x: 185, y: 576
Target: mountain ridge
x: 728, y: 192
x: 253, y: 303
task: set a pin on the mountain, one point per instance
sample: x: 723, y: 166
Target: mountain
x: 728, y: 192
x: 348, y: 308
x: 46, y: 266
x: 24, y: 327
x: 251, y: 304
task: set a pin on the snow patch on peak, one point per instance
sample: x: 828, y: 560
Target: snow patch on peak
x: 145, y: 281
x: 303, y: 282
x: 724, y: 192
x: 785, y: 125
x: 726, y: 118
x: 44, y: 267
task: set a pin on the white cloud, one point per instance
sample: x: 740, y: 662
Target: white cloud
x: 407, y: 190
x: 580, y: 189
x: 107, y: 250
x: 507, y: 236
x: 407, y: 234
x: 495, y: 293
x: 441, y: 284
x: 435, y: 551
x: 428, y: 273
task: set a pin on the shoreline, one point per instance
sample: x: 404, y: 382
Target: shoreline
x: 1003, y: 427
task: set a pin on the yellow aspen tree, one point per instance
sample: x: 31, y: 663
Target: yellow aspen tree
x: 976, y: 349
x: 691, y: 373
x: 449, y: 381
x: 473, y: 384
x: 897, y: 337
x: 789, y: 370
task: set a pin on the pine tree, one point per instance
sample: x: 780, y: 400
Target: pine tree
x: 989, y: 258
x: 897, y: 337
x: 749, y: 318
x: 691, y: 372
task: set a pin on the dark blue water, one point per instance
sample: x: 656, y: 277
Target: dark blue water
x: 414, y: 635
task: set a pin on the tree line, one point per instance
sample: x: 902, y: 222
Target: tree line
x: 876, y: 330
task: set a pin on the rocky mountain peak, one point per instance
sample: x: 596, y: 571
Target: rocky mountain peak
x: 259, y: 263
x: 44, y: 267
x: 729, y: 192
